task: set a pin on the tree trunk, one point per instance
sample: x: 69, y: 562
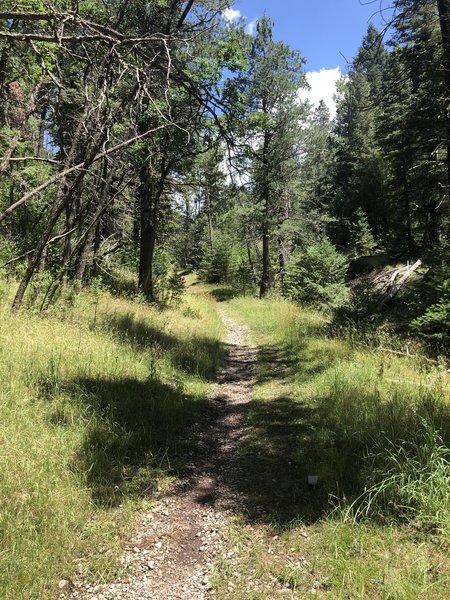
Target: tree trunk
x: 187, y: 234
x: 149, y: 200
x: 90, y: 230
x: 250, y: 263
x: 146, y: 243
x: 63, y: 199
x: 97, y: 242
x: 70, y: 221
x: 264, y: 286
x: 43, y: 260
x: 150, y: 195
x: 57, y: 210
x: 406, y: 201
x: 444, y: 20
x: 281, y: 264
x: 210, y: 227
x: 432, y: 229
x: 40, y: 143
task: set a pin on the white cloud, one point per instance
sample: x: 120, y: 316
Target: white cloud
x: 251, y: 26
x: 323, y: 87
x: 230, y: 14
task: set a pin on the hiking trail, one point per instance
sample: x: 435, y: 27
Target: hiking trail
x: 172, y: 553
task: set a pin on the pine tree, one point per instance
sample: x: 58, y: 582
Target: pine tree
x: 360, y: 170
x: 272, y: 130
x: 362, y: 238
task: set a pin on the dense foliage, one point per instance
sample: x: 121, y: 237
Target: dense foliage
x: 118, y: 148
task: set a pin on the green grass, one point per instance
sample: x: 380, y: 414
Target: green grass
x: 375, y: 428
x: 98, y: 407
x: 329, y: 559
x: 98, y: 404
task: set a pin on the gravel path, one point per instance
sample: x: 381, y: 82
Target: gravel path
x: 173, y: 551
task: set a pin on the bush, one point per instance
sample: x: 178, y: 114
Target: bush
x: 167, y: 284
x: 315, y: 276
x: 434, y: 324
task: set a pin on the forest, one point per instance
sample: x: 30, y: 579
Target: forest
x: 173, y: 214
x: 164, y: 138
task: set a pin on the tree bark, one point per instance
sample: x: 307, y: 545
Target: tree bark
x: 210, y: 227
x: 150, y: 195
x: 265, y: 282
x: 444, y: 20
x: 281, y: 264
x: 250, y: 263
x: 406, y: 201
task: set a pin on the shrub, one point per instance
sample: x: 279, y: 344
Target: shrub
x: 315, y: 276
x: 434, y: 324
x: 167, y: 284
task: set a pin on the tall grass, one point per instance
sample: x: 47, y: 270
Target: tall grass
x: 97, y: 405
x: 374, y: 427
x: 380, y: 423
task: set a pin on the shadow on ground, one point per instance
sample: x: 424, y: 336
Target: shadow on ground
x: 283, y: 442
x: 284, y: 445
x: 196, y: 355
x: 222, y: 294
x: 141, y: 432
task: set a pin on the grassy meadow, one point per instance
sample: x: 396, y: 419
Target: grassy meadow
x: 96, y: 398
x: 375, y: 427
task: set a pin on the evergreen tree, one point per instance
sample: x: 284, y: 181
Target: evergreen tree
x: 362, y: 238
x: 273, y: 134
x: 316, y: 276
x: 360, y: 171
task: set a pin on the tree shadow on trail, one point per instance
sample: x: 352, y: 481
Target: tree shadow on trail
x: 282, y: 362
x: 276, y: 455
x: 283, y: 366
x: 140, y: 432
x: 222, y: 294
x: 283, y: 442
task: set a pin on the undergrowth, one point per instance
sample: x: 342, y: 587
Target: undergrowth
x: 98, y: 402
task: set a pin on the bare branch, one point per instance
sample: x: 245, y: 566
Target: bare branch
x: 78, y: 167
x: 51, y: 241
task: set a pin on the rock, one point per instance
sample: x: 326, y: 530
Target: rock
x: 63, y: 584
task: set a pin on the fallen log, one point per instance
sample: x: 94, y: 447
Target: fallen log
x: 396, y: 285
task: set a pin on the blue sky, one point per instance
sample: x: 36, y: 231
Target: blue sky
x: 326, y: 32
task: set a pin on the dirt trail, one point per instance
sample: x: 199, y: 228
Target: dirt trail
x: 173, y: 551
